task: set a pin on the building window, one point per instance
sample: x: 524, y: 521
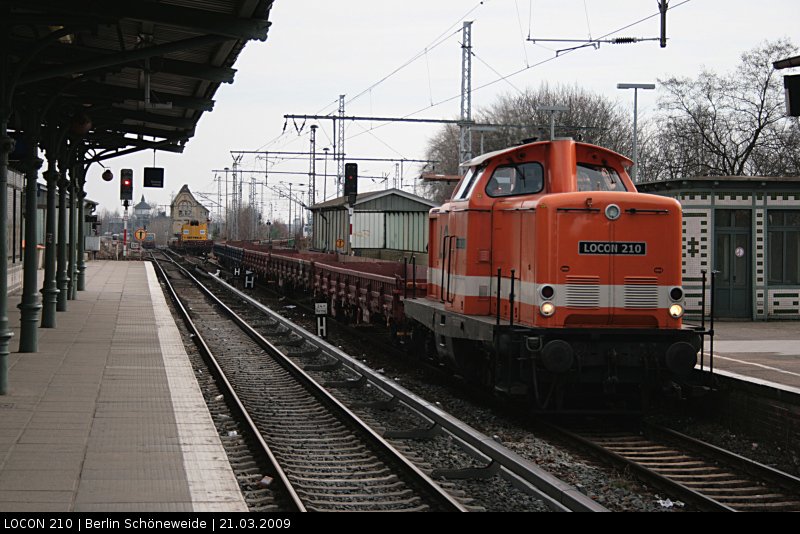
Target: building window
x: 784, y: 247
x: 184, y: 209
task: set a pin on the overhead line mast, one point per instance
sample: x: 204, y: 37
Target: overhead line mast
x: 465, y: 145
x: 339, y: 148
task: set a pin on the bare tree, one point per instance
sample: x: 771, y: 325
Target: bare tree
x: 444, y: 148
x: 727, y: 125
x: 107, y: 220
x: 592, y: 118
x: 161, y: 226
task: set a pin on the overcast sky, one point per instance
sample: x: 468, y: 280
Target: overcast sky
x: 318, y: 49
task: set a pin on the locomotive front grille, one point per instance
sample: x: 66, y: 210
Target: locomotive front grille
x: 583, y: 292
x: 641, y: 293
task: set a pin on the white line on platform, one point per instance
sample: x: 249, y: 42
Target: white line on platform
x: 212, y: 484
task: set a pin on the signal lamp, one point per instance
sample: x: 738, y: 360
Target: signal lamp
x: 350, y: 179
x: 676, y: 294
x: 126, y: 184
x: 547, y: 292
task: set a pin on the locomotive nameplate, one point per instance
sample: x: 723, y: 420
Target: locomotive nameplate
x: 626, y: 248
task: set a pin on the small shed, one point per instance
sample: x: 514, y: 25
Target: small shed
x: 389, y: 224
x: 748, y: 229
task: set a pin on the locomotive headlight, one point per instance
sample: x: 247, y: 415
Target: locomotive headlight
x: 676, y: 311
x: 547, y: 309
x: 612, y: 212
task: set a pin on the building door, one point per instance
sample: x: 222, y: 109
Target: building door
x: 732, y: 258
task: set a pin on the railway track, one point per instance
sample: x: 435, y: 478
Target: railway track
x: 323, y: 457
x: 696, y: 472
x: 368, y: 392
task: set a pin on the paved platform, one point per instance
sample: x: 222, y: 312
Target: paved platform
x: 108, y: 416
x: 764, y: 352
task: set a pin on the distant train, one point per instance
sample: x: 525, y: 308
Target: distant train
x: 549, y: 276
x: 193, y: 238
x: 149, y: 241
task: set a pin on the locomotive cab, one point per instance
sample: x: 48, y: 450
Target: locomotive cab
x: 548, y: 269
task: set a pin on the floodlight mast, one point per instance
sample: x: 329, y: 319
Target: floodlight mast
x: 635, y: 87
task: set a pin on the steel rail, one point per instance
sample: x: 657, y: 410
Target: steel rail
x: 557, y: 494
x: 784, y: 480
x: 686, y: 494
x: 209, y: 356
x: 714, y: 457
x: 440, y: 495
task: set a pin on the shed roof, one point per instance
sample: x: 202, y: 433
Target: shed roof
x: 361, y: 198
x: 771, y: 183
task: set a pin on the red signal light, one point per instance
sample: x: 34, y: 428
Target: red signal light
x: 350, y: 179
x: 126, y: 185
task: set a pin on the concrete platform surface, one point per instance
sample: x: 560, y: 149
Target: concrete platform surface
x: 764, y: 352
x: 108, y: 416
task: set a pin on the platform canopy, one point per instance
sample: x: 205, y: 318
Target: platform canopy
x: 137, y: 74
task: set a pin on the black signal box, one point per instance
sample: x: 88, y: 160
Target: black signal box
x: 126, y: 184
x: 350, y: 179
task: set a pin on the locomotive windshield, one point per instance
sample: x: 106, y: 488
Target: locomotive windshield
x: 598, y: 178
x: 511, y: 180
x: 468, y: 182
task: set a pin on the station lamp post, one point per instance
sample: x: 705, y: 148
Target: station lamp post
x: 635, y: 87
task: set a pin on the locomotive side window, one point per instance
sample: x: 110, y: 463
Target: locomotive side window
x: 468, y: 183
x: 598, y: 178
x: 512, y: 180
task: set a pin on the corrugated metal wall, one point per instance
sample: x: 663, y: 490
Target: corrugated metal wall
x: 390, y: 222
x: 330, y: 230
x: 368, y: 229
x: 407, y: 231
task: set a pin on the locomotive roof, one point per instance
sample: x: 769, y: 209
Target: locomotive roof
x: 489, y: 155
x: 478, y: 160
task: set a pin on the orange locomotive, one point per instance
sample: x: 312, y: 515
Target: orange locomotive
x: 547, y: 271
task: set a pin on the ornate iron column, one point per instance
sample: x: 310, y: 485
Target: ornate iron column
x: 6, y: 146
x: 79, y: 229
x: 30, y: 306
x: 62, y: 279
x: 71, y: 268
x: 49, y: 289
